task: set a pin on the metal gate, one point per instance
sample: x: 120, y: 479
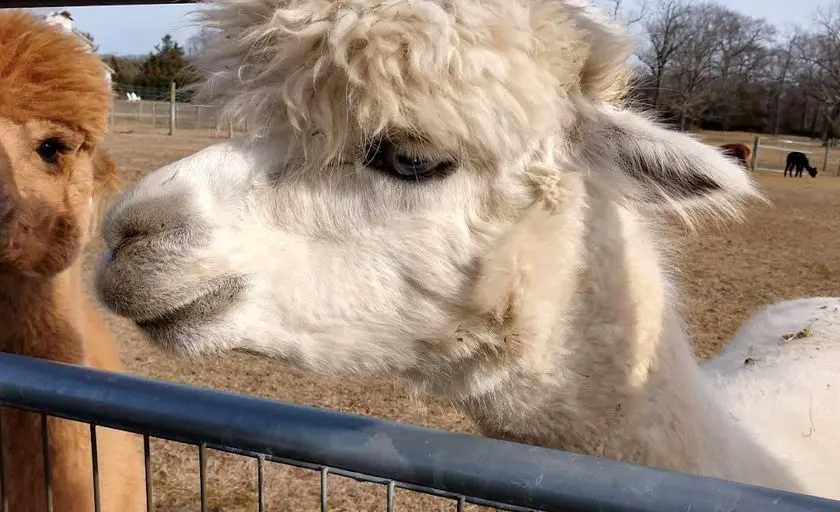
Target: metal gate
x: 465, y: 468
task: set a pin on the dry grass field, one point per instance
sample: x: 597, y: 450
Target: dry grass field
x: 786, y: 250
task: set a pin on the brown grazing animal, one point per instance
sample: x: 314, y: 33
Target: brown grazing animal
x: 54, y: 107
x: 740, y: 151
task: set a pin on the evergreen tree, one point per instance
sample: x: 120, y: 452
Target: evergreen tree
x: 165, y: 65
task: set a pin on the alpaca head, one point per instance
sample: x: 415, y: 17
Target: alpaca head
x: 410, y: 182
x: 53, y: 113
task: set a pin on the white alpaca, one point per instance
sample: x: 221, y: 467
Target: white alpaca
x: 450, y: 191
x: 62, y: 19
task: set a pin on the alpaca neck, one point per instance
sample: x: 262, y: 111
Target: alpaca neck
x: 42, y: 317
x: 602, y: 364
x: 667, y: 419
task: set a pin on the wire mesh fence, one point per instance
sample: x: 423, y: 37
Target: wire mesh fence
x: 139, y: 109
x: 158, y: 117
x: 773, y: 150
x: 773, y: 154
x: 461, y: 468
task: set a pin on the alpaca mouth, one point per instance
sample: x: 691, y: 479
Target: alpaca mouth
x: 220, y: 295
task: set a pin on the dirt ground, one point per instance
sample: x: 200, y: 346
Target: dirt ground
x: 778, y: 253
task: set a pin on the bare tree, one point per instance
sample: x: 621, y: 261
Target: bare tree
x: 666, y: 32
x: 694, y: 62
x: 742, y: 42
x: 742, y: 54
x: 707, y: 63
x: 618, y: 12
x: 782, y: 65
x: 197, y: 42
x: 819, y: 54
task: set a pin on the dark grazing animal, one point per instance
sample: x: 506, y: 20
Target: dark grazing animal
x: 739, y: 151
x: 798, y: 161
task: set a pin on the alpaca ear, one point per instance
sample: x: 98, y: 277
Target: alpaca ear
x: 643, y: 161
x: 106, y: 180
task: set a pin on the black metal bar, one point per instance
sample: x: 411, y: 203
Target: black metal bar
x: 202, y: 476
x: 499, y: 471
x: 260, y: 484
x: 4, y: 506
x: 83, y: 3
x: 94, y: 459
x: 147, y: 462
x: 45, y: 453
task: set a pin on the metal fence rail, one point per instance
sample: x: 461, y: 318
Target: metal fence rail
x: 463, y: 467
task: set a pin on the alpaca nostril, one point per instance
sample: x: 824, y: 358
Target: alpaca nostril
x: 160, y: 240
x: 129, y: 237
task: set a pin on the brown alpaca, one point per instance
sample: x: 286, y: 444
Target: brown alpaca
x: 739, y: 151
x: 53, y: 175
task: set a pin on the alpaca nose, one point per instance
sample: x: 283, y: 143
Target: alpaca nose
x: 158, y: 225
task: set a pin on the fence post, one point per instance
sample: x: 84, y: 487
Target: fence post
x: 825, y: 156
x: 172, y: 108
x: 230, y: 129
x: 756, y: 144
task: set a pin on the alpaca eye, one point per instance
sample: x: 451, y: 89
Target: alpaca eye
x: 386, y: 157
x: 50, y: 149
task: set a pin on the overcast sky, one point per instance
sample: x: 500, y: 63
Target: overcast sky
x: 134, y: 30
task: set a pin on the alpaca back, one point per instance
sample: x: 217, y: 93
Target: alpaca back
x: 779, y: 378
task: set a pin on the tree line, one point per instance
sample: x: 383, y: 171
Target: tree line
x: 703, y: 65
x: 699, y: 64
x: 155, y: 72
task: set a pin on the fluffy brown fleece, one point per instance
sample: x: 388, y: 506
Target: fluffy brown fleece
x: 53, y: 94
x: 47, y: 74
x: 739, y: 151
